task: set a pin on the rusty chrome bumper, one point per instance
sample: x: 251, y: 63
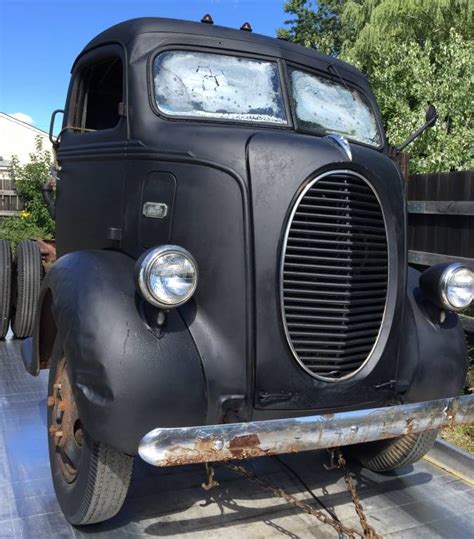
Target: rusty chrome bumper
x: 187, y: 445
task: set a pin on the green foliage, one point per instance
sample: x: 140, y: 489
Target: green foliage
x: 317, y: 24
x: 28, y: 180
x: 415, y: 52
x: 34, y: 222
x: 16, y: 229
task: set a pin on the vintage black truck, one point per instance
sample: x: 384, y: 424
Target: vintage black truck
x: 232, y: 275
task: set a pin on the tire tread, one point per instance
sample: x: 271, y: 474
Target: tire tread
x: 108, y: 484
x: 5, y: 286
x: 387, y: 455
x: 29, y: 270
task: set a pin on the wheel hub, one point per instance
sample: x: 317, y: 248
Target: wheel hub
x: 65, y: 425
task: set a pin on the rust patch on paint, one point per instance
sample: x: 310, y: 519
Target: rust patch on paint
x: 205, y: 444
x: 410, y: 425
x: 247, y: 440
x: 246, y: 446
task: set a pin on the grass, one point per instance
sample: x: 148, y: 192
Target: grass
x: 463, y: 435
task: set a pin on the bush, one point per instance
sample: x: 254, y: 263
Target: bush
x: 34, y: 221
x: 16, y: 229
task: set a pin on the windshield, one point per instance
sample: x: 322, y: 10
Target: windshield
x: 204, y: 85
x: 325, y: 105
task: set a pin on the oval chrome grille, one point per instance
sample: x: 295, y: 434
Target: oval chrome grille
x: 334, y: 275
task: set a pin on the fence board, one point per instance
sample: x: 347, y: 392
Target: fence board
x: 445, y: 223
x: 443, y: 207
x: 441, y: 221
x: 10, y: 203
x: 422, y: 258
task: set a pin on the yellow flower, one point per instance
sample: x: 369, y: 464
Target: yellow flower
x: 25, y: 214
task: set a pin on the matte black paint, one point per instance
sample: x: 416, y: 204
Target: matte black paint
x: 278, y: 164
x: 440, y: 348
x: 127, y: 378
x: 229, y: 187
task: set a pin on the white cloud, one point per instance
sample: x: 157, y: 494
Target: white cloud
x: 23, y: 117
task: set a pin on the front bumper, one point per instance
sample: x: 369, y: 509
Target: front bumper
x: 188, y: 445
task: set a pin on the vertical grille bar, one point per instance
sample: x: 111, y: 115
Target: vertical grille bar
x: 334, y: 275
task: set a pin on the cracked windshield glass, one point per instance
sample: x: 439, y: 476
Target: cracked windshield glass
x: 328, y: 106
x: 218, y: 86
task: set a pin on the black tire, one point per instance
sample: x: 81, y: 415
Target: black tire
x: 97, y: 489
x: 5, y: 286
x: 387, y: 455
x: 27, y: 281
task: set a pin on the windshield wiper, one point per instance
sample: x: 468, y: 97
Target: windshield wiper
x: 344, y: 83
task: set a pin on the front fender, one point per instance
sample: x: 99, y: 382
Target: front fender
x: 127, y: 378
x: 433, y: 355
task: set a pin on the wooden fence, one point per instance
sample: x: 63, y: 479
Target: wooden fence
x: 441, y: 220
x: 10, y: 203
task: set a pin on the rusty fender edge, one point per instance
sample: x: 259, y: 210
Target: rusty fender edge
x: 188, y: 445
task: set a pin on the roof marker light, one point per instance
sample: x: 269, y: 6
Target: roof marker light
x: 207, y: 19
x: 246, y: 27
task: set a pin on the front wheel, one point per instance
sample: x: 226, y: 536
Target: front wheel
x: 387, y: 455
x: 90, y: 479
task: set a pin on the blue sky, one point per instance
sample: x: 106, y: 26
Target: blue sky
x: 39, y: 40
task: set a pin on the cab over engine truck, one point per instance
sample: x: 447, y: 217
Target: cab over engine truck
x: 232, y: 275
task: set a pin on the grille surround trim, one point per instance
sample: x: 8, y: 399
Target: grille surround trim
x: 289, y: 221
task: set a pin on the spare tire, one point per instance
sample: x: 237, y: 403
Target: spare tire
x: 27, y: 281
x: 5, y: 286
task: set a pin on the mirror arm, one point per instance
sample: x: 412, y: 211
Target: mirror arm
x: 54, y: 143
x: 46, y: 191
x: 415, y: 135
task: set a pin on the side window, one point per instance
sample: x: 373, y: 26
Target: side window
x: 99, y: 94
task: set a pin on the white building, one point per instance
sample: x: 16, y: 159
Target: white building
x: 19, y: 138
x: 16, y: 138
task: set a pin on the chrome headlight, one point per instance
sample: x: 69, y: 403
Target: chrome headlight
x: 456, y: 287
x: 166, y: 276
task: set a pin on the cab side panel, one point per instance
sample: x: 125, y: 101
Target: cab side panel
x: 207, y: 216
x: 89, y: 193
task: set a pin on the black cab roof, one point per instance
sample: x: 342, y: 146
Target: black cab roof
x: 131, y: 30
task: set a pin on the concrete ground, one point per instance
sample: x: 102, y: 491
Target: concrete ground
x: 420, y: 501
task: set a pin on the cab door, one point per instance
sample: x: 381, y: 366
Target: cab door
x: 92, y: 153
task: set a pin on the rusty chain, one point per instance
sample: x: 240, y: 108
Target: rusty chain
x: 368, y: 531
x: 308, y: 509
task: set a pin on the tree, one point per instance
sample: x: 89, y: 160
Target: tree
x: 317, y: 24
x: 414, y: 52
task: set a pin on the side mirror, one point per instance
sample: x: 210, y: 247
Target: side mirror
x: 430, y: 119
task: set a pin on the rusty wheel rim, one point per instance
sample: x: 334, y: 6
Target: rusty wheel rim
x: 65, y: 425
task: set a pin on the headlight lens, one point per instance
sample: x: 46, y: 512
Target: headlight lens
x: 457, y: 287
x: 167, y: 276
